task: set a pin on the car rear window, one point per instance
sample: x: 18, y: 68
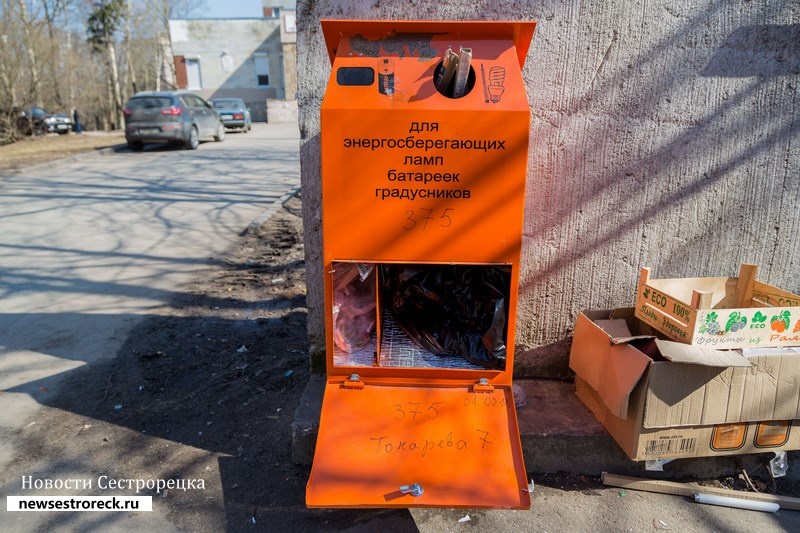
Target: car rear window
x: 150, y: 102
x: 227, y: 104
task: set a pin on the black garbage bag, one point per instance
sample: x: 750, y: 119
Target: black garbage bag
x: 451, y: 310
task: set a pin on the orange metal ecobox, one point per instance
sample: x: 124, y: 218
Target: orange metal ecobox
x: 423, y: 187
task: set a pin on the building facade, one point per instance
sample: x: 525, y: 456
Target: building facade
x: 248, y: 58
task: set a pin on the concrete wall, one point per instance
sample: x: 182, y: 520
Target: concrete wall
x: 663, y: 134
x: 281, y: 111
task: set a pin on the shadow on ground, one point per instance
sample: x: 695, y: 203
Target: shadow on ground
x: 205, y: 390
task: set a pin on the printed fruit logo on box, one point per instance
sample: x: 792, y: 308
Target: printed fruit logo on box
x: 780, y: 323
x: 710, y: 324
x: 736, y: 321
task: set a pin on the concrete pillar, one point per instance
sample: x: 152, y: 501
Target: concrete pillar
x: 663, y: 134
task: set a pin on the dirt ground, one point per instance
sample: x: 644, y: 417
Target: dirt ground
x: 206, y: 389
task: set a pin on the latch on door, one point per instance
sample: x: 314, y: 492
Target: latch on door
x: 353, y: 382
x: 483, y: 385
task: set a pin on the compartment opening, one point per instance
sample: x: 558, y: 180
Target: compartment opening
x: 409, y: 315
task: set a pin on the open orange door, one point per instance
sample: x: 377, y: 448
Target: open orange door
x: 424, y: 161
x: 404, y: 446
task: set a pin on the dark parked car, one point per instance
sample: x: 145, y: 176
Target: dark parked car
x: 34, y: 120
x: 58, y: 123
x: 31, y: 121
x: 234, y: 113
x: 174, y: 116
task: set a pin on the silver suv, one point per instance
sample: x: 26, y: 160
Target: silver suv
x: 174, y: 116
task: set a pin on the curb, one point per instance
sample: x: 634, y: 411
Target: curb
x: 261, y: 219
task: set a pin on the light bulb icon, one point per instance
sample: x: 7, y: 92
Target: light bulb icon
x: 497, y: 77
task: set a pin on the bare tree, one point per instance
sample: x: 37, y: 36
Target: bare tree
x: 7, y: 86
x: 52, y: 9
x: 102, y: 24
x: 29, y: 40
x: 9, y: 63
x: 129, y: 84
x: 8, y: 95
x: 167, y: 9
x: 69, y: 58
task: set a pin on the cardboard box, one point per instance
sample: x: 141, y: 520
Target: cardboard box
x: 727, y: 313
x: 662, y: 400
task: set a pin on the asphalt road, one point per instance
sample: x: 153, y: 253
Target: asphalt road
x: 90, y: 245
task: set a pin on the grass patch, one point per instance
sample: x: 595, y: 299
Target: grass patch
x: 34, y: 150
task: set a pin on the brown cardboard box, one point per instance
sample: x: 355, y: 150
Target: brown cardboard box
x: 661, y: 399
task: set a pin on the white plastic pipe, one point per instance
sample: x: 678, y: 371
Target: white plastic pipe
x: 739, y: 503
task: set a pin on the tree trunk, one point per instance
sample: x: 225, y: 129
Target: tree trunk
x: 5, y: 78
x: 56, y: 56
x: 159, y: 63
x: 69, y: 62
x: 130, y: 72
x: 167, y: 56
x: 167, y: 62
x: 36, y: 91
x: 116, y: 104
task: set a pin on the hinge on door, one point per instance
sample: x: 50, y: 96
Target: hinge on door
x: 483, y: 385
x: 353, y: 382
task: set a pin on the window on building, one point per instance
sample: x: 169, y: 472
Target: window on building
x: 262, y: 69
x: 226, y: 62
x: 193, y: 78
x: 290, y: 24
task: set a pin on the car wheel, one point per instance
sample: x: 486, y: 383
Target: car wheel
x: 220, y: 136
x: 136, y: 146
x: 194, y: 139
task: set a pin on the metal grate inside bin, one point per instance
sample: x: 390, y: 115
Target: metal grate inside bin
x: 363, y: 357
x: 398, y: 351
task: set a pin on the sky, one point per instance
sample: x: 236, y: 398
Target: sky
x: 230, y: 9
